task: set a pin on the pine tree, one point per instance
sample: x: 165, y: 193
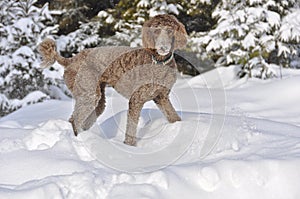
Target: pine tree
x: 289, y: 36
x: 118, y: 26
x: 22, y: 28
x: 248, y: 33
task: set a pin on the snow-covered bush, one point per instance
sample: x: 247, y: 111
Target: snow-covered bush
x: 86, y: 36
x: 289, y: 37
x: 120, y: 16
x: 125, y: 30
x: 22, y: 28
x: 253, y: 33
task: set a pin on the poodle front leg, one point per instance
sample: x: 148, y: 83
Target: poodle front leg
x: 135, y: 107
x: 164, y: 104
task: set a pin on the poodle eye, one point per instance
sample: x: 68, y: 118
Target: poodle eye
x: 156, y: 31
x: 169, y: 31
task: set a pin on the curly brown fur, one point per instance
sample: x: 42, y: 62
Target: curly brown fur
x: 167, y: 21
x: 48, y: 51
x: 139, y: 74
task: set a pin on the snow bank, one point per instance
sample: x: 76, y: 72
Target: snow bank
x: 247, y: 149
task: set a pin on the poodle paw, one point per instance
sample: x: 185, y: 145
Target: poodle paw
x: 130, y: 140
x: 175, y: 119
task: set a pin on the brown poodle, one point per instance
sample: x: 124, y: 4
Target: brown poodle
x: 139, y: 74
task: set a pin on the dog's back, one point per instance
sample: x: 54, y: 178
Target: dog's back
x: 102, y: 57
x: 90, y: 64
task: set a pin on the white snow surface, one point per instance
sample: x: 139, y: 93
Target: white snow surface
x: 238, y: 138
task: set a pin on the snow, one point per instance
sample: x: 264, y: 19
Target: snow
x: 109, y: 19
x: 283, y: 49
x: 252, y: 2
x: 249, y: 41
x: 290, y: 28
x: 102, y: 14
x: 143, y: 4
x: 173, y: 9
x: 25, y: 51
x: 24, y: 24
x: 268, y: 42
x: 238, y: 138
x: 213, y: 45
x: 273, y: 18
x: 31, y: 98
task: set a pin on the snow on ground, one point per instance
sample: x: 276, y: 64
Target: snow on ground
x: 238, y: 138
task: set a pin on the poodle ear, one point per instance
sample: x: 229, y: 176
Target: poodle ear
x: 147, y: 38
x: 180, y: 36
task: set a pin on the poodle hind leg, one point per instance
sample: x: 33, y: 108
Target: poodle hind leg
x: 164, y: 104
x: 85, y: 114
x: 91, y: 119
x: 101, y: 104
x: 82, y: 119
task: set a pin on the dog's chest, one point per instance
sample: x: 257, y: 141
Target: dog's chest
x: 151, y: 77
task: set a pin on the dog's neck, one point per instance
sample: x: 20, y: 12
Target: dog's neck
x: 167, y: 59
x: 160, y: 59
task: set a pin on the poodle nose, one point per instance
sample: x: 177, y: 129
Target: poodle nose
x: 164, y: 48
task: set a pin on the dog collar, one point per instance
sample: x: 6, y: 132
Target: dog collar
x: 165, y: 61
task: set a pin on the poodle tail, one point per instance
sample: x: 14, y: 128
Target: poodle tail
x: 49, y: 54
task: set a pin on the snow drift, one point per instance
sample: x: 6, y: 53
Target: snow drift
x: 254, y: 152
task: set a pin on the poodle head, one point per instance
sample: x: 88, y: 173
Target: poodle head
x: 164, y: 33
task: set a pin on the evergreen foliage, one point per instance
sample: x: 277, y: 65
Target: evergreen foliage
x: 22, y: 27
x: 250, y: 33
